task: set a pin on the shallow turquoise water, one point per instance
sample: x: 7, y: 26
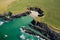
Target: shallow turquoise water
x: 12, y: 29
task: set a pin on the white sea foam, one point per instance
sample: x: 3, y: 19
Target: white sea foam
x: 6, y: 36
x: 22, y: 36
x: 1, y: 22
x: 42, y: 39
x: 6, y: 21
x: 31, y: 39
x: 21, y: 30
x: 37, y: 36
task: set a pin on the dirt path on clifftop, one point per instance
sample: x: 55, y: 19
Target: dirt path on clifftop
x: 4, y: 4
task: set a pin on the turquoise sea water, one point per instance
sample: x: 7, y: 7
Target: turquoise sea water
x: 12, y: 29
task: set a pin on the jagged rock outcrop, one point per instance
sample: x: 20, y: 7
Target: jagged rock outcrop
x: 45, y: 30
x: 36, y: 9
x: 29, y: 31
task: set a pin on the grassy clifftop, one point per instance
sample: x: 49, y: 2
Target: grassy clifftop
x: 4, y: 4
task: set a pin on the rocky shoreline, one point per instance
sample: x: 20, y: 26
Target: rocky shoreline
x: 39, y: 26
x: 45, y: 30
x: 8, y: 16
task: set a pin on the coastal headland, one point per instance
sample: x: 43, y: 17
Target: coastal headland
x: 39, y: 26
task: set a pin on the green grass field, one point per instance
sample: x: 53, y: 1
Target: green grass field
x: 51, y: 9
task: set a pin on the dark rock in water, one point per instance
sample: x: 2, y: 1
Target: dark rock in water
x: 45, y: 30
x: 16, y: 16
x: 1, y: 16
x: 53, y: 35
x: 6, y: 16
x: 9, y: 16
x: 39, y: 29
x: 29, y: 31
x: 7, y: 19
x: 33, y: 22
